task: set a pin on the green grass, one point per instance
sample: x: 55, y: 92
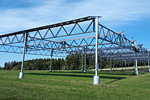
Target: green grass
x: 74, y: 85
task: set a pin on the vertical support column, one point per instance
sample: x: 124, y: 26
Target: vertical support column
x: 21, y: 75
x: 82, y: 63
x: 64, y: 66
x: 122, y: 65
x: 125, y: 63
x: 69, y: 60
x: 101, y: 62
x: 128, y: 65
x: 110, y: 64
x: 140, y: 63
x: 113, y: 64
x: 148, y: 62
x: 96, y: 79
x: 85, y: 59
x: 50, y: 70
x: 136, y: 69
x: 117, y: 64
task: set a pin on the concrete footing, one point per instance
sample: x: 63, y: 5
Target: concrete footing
x: 96, y: 80
x: 50, y: 70
x: 21, y: 75
x: 84, y: 71
x: 136, y: 72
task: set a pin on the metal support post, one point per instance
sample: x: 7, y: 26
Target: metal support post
x: 136, y: 69
x: 116, y: 66
x: 140, y: 63
x: 128, y: 65
x: 82, y: 63
x: 101, y: 63
x: 125, y: 62
x: 122, y: 65
x: 85, y: 59
x: 21, y: 75
x: 50, y: 70
x: 69, y: 59
x: 148, y: 62
x: 93, y: 60
x: 110, y: 64
x: 96, y: 79
x: 64, y: 66
x: 113, y: 64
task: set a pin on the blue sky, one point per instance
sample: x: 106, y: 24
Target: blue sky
x: 130, y: 16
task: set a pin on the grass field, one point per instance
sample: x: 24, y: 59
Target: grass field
x: 74, y: 85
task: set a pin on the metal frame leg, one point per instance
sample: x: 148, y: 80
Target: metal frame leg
x: 148, y: 62
x: 122, y: 65
x: 21, y: 74
x: 50, y: 70
x: 136, y: 69
x: 113, y: 64
x: 110, y: 65
x: 82, y: 63
x: 96, y: 78
x: 85, y: 60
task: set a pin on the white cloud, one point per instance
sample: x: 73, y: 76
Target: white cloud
x: 52, y: 11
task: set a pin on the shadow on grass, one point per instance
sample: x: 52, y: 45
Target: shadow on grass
x: 117, y: 73
x: 101, y: 72
x: 9, y: 99
x: 71, y: 75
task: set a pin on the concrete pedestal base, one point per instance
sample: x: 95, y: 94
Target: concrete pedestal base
x: 96, y: 80
x: 50, y: 70
x: 136, y: 72
x: 84, y: 71
x: 21, y: 75
x: 148, y: 70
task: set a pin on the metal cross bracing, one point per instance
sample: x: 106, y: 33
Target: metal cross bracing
x: 41, y: 40
x: 61, y: 39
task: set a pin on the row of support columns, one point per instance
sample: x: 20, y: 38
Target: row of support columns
x: 96, y: 78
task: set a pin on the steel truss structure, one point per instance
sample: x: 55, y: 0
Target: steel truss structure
x: 84, y: 35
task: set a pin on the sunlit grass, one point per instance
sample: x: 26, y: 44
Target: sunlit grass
x: 74, y: 85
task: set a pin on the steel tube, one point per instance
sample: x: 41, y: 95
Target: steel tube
x: 136, y: 69
x: 148, y: 62
x: 96, y: 79
x: 50, y: 70
x: 85, y: 59
x: 21, y: 75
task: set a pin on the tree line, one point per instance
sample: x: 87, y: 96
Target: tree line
x: 71, y: 62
